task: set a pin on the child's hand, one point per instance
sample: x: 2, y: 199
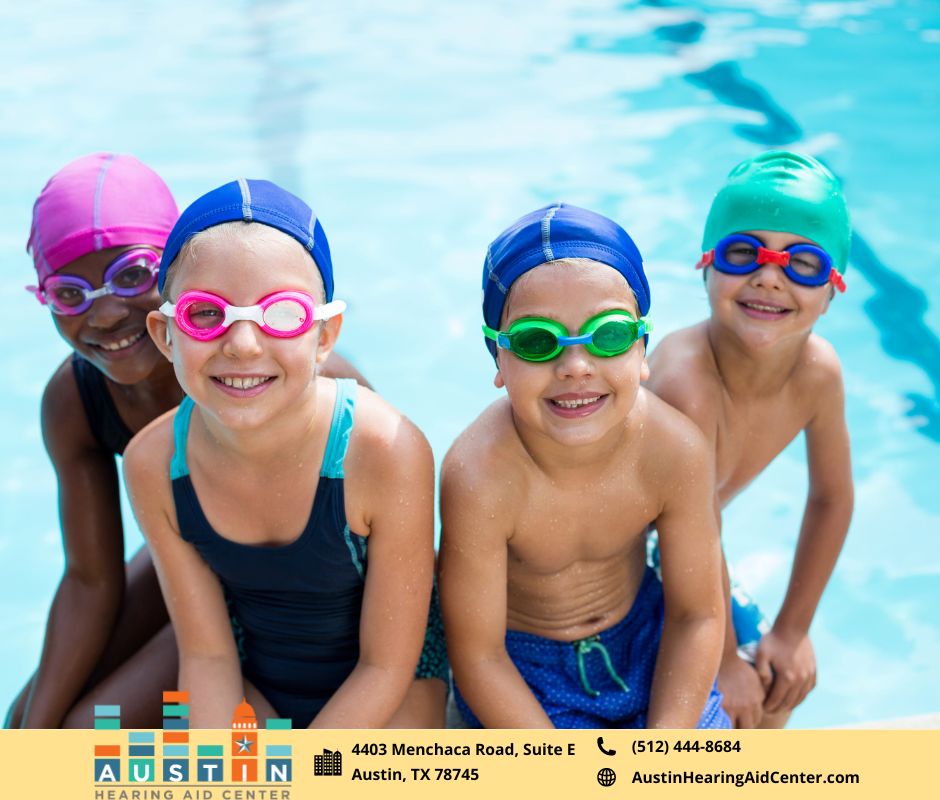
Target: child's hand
x: 743, y: 693
x: 786, y: 664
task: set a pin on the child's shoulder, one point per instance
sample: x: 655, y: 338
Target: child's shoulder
x: 816, y: 385
x: 820, y: 368
x: 488, y: 452
x: 383, y: 438
x: 149, y: 452
x: 671, y: 441
x: 683, y: 373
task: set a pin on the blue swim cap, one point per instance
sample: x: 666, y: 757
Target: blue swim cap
x: 549, y: 234
x: 252, y: 201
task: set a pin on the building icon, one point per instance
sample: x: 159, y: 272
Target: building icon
x: 244, y: 744
x: 328, y: 764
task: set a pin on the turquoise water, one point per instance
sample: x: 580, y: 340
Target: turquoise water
x: 418, y: 132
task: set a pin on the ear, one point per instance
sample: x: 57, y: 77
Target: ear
x: 329, y: 333
x: 498, y: 381
x: 159, y: 331
x: 645, y: 370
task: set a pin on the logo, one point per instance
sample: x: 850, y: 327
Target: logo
x: 606, y: 776
x: 176, y: 764
x: 328, y: 764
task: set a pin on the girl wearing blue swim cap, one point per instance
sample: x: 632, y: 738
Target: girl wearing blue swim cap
x: 297, y: 505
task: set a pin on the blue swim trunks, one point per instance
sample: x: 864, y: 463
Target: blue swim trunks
x: 749, y: 621
x: 603, y: 681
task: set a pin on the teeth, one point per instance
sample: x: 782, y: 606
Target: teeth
x: 585, y: 401
x: 124, y: 343
x: 243, y: 383
x: 759, y: 307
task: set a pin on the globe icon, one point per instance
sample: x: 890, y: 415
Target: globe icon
x: 606, y: 776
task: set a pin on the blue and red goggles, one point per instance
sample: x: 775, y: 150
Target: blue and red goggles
x: 805, y: 264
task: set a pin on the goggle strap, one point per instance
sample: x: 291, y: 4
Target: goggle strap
x: 836, y: 279
x: 168, y: 309
x: 329, y: 310
x: 706, y: 260
x: 37, y: 292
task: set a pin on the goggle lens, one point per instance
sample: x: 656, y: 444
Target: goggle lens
x: 133, y: 277
x: 285, y: 316
x: 615, y: 337
x: 535, y: 343
x: 204, y: 315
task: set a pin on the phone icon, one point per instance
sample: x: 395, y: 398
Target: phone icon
x: 604, y: 750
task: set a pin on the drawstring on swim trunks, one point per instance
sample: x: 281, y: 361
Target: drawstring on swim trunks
x: 584, y: 646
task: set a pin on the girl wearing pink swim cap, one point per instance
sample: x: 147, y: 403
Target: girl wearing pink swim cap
x: 98, y: 230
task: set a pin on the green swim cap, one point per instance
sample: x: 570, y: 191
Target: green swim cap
x: 785, y: 192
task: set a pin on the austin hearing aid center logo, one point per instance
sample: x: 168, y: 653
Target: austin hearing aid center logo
x: 139, y: 775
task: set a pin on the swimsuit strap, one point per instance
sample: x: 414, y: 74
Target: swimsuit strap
x: 340, y: 428
x: 178, y: 466
x: 336, y: 444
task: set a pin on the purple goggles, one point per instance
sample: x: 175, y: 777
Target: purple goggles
x: 130, y: 274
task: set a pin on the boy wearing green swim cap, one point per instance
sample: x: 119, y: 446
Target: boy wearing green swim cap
x: 753, y: 376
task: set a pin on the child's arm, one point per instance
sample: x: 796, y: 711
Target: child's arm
x: 785, y: 659
x: 693, y: 630
x: 209, y: 665
x: 398, y: 583
x: 88, y: 598
x: 473, y: 584
x: 675, y: 379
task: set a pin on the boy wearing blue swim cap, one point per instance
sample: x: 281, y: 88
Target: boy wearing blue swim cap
x: 753, y: 376
x: 553, y: 618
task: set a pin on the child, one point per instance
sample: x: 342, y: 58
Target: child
x: 552, y: 617
x: 223, y: 488
x: 98, y: 229
x: 753, y: 376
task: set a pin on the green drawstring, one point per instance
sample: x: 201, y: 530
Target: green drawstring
x: 583, y: 646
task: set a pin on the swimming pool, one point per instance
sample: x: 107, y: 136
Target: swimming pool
x: 419, y: 132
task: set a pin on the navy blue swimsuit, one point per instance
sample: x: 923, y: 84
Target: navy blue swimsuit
x: 110, y: 431
x: 297, y: 605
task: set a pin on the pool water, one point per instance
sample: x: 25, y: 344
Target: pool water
x: 418, y: 132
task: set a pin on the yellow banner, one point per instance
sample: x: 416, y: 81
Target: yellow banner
x: 296, y: 765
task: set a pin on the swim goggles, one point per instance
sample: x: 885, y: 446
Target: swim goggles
x: 805, y: 264
x: 205, y: 316
x: 130, y: 274
x: 607, y: 334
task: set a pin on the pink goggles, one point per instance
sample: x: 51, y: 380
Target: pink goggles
x: 205, y: 316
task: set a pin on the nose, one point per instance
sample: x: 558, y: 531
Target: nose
x: 574, y: 362
x: 242, y: 340
x: 107, y: 312
x: 769, y: 276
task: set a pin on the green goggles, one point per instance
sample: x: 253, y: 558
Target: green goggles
x: 607, y: 334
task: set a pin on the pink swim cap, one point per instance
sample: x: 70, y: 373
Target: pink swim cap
x: 95, y: 202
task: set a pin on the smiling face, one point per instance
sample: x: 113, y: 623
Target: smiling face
x: 765, y: 307
x: 112, y: 333
x: 577, y: 398
x: 246, y: 377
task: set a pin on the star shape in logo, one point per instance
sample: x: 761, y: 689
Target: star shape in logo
x: 244, y: 744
